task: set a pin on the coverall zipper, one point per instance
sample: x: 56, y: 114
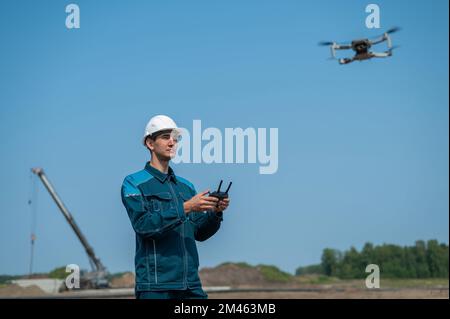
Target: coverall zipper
x: 182, y: 237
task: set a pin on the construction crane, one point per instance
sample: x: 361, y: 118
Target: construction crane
x: 98, y: 277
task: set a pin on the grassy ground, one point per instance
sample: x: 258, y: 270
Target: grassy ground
x: 324, y: 287
x: 406, y: 293
x: 414, y: 283
x: 384, y: 282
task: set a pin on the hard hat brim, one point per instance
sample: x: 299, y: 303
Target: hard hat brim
x: 176, y: 129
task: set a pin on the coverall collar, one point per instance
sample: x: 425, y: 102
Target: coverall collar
x: 160, y: 175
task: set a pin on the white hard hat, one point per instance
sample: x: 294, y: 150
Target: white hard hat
x: 160, y: 123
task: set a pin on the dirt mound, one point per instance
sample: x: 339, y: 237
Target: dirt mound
x: 228, y: 274
x: 231, y: 275
x: 124, y: 281
x: 17, y: 291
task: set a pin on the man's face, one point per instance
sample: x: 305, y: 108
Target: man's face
x: 164, y: 144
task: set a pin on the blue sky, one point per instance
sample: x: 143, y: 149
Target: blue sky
x: 363, y: 148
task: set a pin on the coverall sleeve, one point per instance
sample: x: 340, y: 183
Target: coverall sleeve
x: 146, y: 222
x: 206, y: 224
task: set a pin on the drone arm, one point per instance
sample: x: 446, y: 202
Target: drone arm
x: 345, y: 61
x: 342, y: 47
x: 379, y: 40
x: 389, y: 42
x: 333, y: 51
x: 382, y: 54
x: 384, y: 37
x: 336, y: 46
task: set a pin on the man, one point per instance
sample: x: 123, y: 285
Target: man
x: 168, y: 216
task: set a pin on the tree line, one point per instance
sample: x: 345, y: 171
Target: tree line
x: 423, y: 260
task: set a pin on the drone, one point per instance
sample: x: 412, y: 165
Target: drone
x: 362, y: 46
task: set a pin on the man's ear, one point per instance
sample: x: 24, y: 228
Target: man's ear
x: 149, y: 143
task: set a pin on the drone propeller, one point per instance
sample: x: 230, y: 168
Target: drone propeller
x: 325, y: 43
x: 392, y: 30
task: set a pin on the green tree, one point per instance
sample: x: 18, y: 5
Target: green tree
x: 409, y: 262
x: 422, y: 268
x: 437, y: 260
x: 368, y: 254
x: 58, y: 273
x: 393, y: 260
x: 352, y: 265
x: 423, y: 260
x: 329, y: 261
x: 308, y: 270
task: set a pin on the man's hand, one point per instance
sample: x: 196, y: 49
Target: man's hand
x: 223, y: 204
x: 201, y: 202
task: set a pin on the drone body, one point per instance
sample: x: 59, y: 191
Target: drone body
x: 361, y: 48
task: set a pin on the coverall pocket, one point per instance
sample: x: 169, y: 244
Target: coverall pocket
x: 159, y: 201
